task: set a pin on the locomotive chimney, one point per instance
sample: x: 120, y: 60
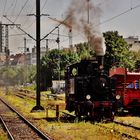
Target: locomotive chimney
x: 98, y: 45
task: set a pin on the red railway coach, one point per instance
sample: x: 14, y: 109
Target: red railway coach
x: 127, y: 90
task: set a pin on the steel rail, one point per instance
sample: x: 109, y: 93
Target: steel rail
x: 41, y: 134
x: 128, y: 125
x: 6, y: 128
x: 118, y: 132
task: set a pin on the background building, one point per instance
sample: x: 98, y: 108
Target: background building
x: 134, y: 41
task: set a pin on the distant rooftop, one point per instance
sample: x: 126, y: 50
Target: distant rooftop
x: 132, y: 39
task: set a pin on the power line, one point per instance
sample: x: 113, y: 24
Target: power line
x: 14, y: 7
x: 56, y: 27
x: 44, y: 5
x: 21, y: 10
x: 9, y: 7
x: 114, y: 17
x: 4, y: 8
x: 40, y: 11
x: 20, y: 28
x: 25, y: 21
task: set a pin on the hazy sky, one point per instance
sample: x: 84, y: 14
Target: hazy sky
x: 16, y: 10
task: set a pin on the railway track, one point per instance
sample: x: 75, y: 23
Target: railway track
x: 129, y: 136
x: 24, y: 93
x: 127, y: 125
x: 17, y: 126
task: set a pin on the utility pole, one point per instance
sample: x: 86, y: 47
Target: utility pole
x: 1, y: 34
x: 25, y: 60
x: 88, y: 17
x: 47, y: 45
x: 88, y: 10
x: 59, y: 69
x: 25, y: 47
x: 38, y: 106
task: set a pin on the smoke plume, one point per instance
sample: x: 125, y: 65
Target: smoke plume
x: 85, y: 17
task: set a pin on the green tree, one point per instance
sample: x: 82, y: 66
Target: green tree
x: 53, y: 64
x: 137, y: 59
x: 17, y: 75
x: 31, y: 74
x: 117, y: 51
x: 84, y: 50
x: 8, y: 75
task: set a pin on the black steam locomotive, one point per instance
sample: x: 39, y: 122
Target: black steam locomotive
x: 90, y: 91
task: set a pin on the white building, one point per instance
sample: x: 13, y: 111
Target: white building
x: 134, y: 41
x: 31, y: 56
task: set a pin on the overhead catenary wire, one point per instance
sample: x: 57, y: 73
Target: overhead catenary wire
x: 14, y: 7
x: 21, y: 10
x: 10, y: 7
x: 40, y: 11
x: 120, y: 14
x: 44, y: 5
x: 56, y: 27
x: 4, y: 9
x: 21, y: 29
x: 25, y: 21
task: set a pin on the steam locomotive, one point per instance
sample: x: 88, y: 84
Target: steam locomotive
x: 90, y: 92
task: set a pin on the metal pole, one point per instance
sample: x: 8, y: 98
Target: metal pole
x: 25, y: 48
x: 25, y: 62
x: 59, y: 70
x: 7, y: 55
x: 47, y: 45
x: 59, y: 55
x: 88, y: 11
x: 88, y: 17
x: 38, y: 51
x: 1, y: 34
x: 38, y: 106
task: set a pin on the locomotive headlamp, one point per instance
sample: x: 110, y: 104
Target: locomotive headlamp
x: 103, y: 84
x: 88, y: 97
x: 101, y: 67
x: 118, y: 97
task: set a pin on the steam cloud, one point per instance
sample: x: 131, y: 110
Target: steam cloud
x: 78, y: 19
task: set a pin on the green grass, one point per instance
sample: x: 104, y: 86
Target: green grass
x: 123, y: 129
x: 30, y: 88
x: 3, y: 135
x: 77, y: 131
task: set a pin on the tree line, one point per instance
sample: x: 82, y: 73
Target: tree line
x: 118, y: 54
